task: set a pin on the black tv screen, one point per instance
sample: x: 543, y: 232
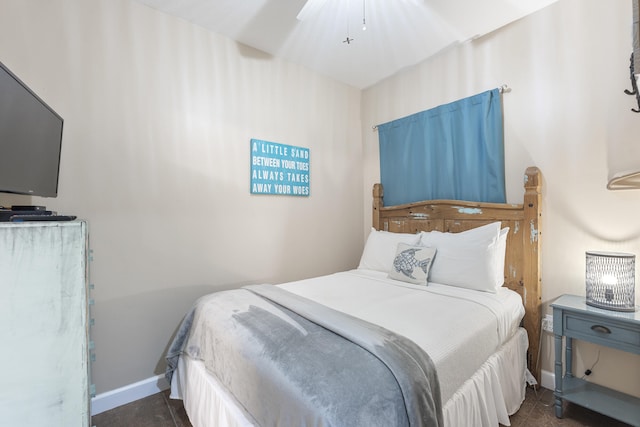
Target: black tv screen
x: 30, y: 140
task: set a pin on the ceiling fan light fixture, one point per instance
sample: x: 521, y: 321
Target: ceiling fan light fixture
x: 364, y: 16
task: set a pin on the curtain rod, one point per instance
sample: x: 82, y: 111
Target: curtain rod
x: 502, y: 89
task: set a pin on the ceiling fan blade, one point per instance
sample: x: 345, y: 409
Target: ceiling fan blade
x: 310, y: 8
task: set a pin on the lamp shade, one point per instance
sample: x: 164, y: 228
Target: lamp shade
x: 610, y: 280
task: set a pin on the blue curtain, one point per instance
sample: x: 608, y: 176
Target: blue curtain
x: 454, y: 151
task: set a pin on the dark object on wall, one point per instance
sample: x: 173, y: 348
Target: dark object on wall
x: 30, y: 140
x: 635, y: 55
x: 634, y: 86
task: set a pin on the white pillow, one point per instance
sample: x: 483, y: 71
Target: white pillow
x: 472, y: 259
x: 411, y: 263
x: 501, y: 249
x: 380, y: 249
x: 475, y: 236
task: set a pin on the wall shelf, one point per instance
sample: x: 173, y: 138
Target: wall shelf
x: 625, y: 181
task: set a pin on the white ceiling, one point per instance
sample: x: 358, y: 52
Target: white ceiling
x: 399, y: 33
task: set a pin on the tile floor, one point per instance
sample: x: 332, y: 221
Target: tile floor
x: 537, y: 411
x: 157, y: 410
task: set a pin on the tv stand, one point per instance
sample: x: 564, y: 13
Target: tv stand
x: 44, y: 288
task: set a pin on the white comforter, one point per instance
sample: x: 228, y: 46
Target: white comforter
x: 459, y: 328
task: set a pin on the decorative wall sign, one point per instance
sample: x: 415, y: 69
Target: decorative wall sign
x: 279, y: 169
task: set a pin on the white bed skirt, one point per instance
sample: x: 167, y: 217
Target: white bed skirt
x: 494, y: 392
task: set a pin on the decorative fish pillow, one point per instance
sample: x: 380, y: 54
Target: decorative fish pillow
x: 412, y: 263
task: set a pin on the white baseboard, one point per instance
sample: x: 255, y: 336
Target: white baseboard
x: 547, y: 379
x: 127, y: 394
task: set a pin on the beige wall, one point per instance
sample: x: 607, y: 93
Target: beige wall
x: 158, y: 117
x: 567, y: 66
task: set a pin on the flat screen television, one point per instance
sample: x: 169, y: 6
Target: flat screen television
x: 30, y: 140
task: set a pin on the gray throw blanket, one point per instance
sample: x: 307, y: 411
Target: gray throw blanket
x: 292, y: 362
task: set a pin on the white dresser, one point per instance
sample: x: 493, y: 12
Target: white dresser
x: 44, y: 366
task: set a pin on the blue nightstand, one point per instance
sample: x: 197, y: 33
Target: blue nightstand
x: 573, y: 318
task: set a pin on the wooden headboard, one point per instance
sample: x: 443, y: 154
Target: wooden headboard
x: 522, y: 260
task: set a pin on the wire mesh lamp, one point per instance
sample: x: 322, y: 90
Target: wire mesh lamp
x: 610, y: 280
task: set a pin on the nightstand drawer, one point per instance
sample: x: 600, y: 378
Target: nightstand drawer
x: 600, y: 330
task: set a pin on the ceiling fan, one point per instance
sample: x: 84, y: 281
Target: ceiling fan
x: 312, y: 7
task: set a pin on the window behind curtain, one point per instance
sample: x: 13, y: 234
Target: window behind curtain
x: 454, y: 151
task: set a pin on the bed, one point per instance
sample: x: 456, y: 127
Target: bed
x: 378, y: 345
